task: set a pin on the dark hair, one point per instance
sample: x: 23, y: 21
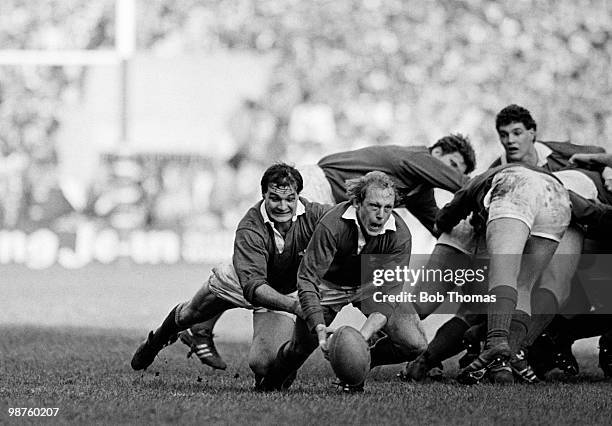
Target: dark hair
x: 515, y: 114
x: 356, y: 188
x: 282, y: 174
x: 461, y: 144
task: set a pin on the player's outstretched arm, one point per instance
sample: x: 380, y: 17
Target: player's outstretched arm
x: 589, y: 160
x: 266, y: 296
x: 315, y: 263
x: 596, y: 160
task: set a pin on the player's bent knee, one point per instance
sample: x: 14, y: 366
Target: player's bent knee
x: 420, y: 345
x: 407, y: 334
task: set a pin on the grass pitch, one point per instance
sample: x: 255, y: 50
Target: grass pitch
x: 85, y: 373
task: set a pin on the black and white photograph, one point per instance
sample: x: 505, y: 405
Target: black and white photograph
x: 306, y: 212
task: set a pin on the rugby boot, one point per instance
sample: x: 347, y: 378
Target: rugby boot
x: 420, y: 369
x: 203, y: 345
x: 148, y: 350
x: 494, y: 359
x: 415, y: 370
x: 436, y: 373
x: 521, y: 368
x: 501, y: 374
x: 605, y: 355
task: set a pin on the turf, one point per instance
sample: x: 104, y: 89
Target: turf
x: 85, y: 373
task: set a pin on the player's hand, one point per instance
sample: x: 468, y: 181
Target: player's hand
x: 608, y: 184
x: 583, y: 160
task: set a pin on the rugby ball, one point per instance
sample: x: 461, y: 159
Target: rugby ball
x: 349, y: 355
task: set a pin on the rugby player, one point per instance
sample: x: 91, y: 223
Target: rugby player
x: 268, y: 246
x: 517, y: 132
x: 525, y: 212
x: 576, y: 327
x: 416, y: 171
x: 329, y: 278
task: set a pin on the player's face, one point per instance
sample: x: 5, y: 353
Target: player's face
x: 452, y: 159
x: 280, y: 202
x: 517, y: 142
x: 375, y: 209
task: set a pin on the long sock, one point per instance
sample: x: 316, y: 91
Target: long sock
x: 518, y: 329
x: 447, y: 342
x: 168, y: 329
x: 500, y: 314
x: 205, y: 328
x: 544, y: 308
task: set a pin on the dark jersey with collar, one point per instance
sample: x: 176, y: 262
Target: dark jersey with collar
x: 256, y: 259
x: 415, y: 172
x: 332, y: 255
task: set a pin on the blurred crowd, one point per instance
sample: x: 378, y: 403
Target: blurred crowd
x: 348, y: 74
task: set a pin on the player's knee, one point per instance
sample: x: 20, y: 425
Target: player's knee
x: 407, y: 335
x: 420, y: 345
x: 412, y: 347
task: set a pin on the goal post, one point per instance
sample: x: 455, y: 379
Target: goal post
x: 120, y: 55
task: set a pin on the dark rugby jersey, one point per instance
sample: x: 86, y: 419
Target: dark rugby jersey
x: 332, y: 255
x: 256, y: 259
x: 415, y: 172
